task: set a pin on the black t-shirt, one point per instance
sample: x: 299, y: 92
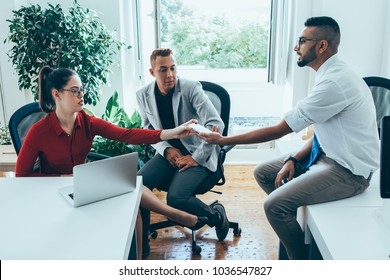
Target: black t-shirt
x: 165, y: 111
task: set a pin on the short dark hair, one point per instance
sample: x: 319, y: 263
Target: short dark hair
x: 327, y: 29
x: 159, y: 52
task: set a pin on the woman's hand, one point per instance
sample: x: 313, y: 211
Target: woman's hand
x: 178, y: 132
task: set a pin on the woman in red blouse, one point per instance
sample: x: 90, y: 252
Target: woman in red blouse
x: 63, y: 138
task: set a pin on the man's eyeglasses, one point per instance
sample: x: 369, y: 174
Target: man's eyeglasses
x: 76, y: 91
x: 302, y: 40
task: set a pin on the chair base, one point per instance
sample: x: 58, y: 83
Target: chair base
x: 196, y: 249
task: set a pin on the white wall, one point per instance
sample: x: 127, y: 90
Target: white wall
x: 365, y: 38
x: 364, y: 45
x: 364, y: 29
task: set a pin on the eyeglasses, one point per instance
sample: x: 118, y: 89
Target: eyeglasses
x: 302, y: 40
x: 76, y: 91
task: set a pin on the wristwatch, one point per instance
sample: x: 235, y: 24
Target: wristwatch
x: 290, y: 157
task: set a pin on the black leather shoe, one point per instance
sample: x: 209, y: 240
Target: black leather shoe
x: 200, y: 223
x: 222, y: 228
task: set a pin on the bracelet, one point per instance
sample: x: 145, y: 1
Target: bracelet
x: 290, y: 158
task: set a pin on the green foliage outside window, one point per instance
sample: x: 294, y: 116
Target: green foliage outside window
x: 215, y: 42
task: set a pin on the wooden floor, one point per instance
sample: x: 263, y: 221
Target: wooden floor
x: 243, y: 202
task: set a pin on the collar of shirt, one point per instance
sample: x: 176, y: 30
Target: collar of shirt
x: 322, y: 70
x: 55, y: 124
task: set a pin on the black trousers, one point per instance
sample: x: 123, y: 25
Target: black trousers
x: 180, y: 187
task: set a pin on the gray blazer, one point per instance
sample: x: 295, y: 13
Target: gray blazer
x: 189, y: 102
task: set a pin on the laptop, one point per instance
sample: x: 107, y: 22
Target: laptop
x: 102, y: 179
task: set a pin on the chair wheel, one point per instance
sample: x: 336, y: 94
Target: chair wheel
x: 196, y: 249
x: 237, y: 232
x: 154, y: 234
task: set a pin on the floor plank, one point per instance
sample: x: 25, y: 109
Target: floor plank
x: 243, y: 202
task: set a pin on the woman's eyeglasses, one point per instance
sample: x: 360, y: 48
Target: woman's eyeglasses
x: 76, y: 91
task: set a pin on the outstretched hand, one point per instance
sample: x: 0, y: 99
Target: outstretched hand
x: 213, y: 137
x: 178, y: 132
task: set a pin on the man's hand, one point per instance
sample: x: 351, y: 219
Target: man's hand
x: 213, y: 137
x: 185, y: 162
x: 287, y: 171
x: 172, y: 155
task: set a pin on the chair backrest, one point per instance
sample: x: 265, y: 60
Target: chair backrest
x: 221, y: 101
x: 380, y: 89
x: 21, y: 121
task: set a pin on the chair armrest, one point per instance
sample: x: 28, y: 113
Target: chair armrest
x: 222, y: 153
x: 221, y: 159
x: 227, y: 148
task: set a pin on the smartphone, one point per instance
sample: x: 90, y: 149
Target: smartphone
x: 198, y: 128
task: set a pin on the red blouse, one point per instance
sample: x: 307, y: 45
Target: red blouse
x: 58, y: 152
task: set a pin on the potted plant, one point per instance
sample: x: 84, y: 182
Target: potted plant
x: 76, y: 40
x: 117, y: 115
x: 5, y: 137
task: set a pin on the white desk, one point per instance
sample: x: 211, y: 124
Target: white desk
x: 37, y: 223
x: 350, y: 229
x: 351, y: 233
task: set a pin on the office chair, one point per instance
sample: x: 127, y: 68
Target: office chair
x: 380, y: 89
x: 21, y: 121
x: 221, y: 101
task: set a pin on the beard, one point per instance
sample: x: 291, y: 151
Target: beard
x: 308, y: 57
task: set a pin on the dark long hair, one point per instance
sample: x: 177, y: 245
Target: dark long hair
x: 48, y: 79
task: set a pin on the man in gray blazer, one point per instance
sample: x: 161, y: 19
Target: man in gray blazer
x: 179, y: 166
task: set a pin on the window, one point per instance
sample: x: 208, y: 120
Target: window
x: 222, y: 41
x: 224, y: 35
x: 218, y: 38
